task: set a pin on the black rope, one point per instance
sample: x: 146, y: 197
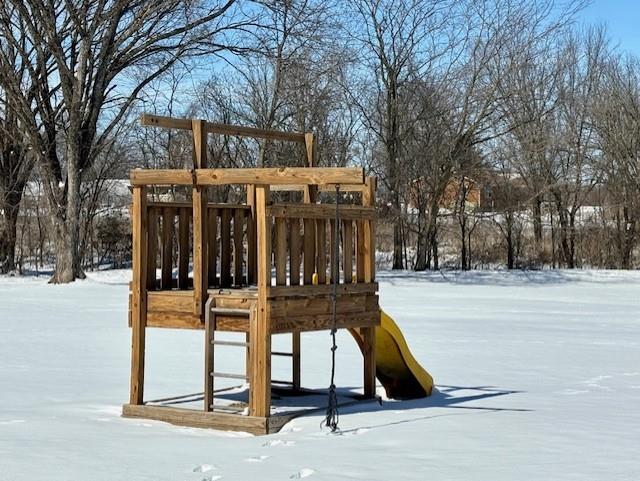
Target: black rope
x: 332, y: 415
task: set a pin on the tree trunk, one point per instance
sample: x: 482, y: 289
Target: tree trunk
x: 629, y: 232
x: 422, y: 244
x: 67, y: 232
x: 537, y: 231
x: 397, y: 244
x: 509, y: 241
x: 11, y: 209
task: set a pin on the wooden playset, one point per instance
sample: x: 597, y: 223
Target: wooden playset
x: 259, y: 268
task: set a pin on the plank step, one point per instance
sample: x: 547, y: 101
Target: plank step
x: 230, y: 343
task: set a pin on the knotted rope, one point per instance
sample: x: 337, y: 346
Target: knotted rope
x: 332, y: 415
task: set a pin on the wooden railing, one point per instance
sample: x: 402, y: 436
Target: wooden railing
x: 230, y: 240
x: 304, y: 243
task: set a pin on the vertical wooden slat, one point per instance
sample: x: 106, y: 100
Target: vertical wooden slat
x: 321, y: 255
x: 200, y: 224
x: 183, y: 248
x: 295, y: 252
x: 252, y: 269
x: 139, y: 293
x: 281, y: 251
x: 360, y: 254
x: 309, y: 250
x: 168, y: 215
x: 368, y: 199
x: 152, y: 252
x: 333, y: 268
x: 225, y: 248
x: 259, y: 334
x: 347, y: 250
x: 238, y: 246
x: 212, y: 240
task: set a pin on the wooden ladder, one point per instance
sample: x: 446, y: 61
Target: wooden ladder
x: 211, y: 313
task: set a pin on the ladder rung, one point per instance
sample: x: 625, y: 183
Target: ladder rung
x: 287, y: 354
x: 274, y: 381
x: 230, y: 343
x: 225, y: 311
x: 229, y: 375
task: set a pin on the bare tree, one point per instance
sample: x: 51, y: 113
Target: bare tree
x: 617, y: 119
x: 397, y: 41
x: 74, y: 55
x: 16, y: 162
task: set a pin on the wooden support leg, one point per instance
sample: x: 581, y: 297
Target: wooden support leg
x: 369, y: 353
x: 295, y: 360
x: 136, y: 393
x: 260, y: 374
x: 209, y: 329
x: 139, y: 294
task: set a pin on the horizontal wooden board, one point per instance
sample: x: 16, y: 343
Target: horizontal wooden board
x: 174, y: 301
x: 161, y: 177
x: 273, y: 175
x: 292, y: 307
x: 321, y: 290
x: 174, y: 320
x: 321, y: 211
x: 325, y: 322
x: 357, y: 188
x: 221, y: 129
x: 211, y: 420
x: 210, y: 205
x: 281, y: 175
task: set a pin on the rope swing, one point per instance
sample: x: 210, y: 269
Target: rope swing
x: 332, y: 415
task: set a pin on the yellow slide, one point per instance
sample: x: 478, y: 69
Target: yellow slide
x: 396, y: 368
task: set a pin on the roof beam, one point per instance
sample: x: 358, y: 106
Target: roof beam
x: 265, y: 176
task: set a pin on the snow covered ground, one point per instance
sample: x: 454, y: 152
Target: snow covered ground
x: 538, y: 377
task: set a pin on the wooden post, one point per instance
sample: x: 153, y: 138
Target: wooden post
x: 209, y: 334
x: 368, y: 200
x: 259, y: 331
x: 139, y: 293
x: 310, y: 148
x: 369, y: 254
x: 199, y: 197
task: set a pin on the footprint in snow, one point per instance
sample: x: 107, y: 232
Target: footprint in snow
x: 257, y: 459
x: 203, y: 468
x: 13, y: 421
x: 303, y: 473
x: 278, y: 442
x: 211, y: 478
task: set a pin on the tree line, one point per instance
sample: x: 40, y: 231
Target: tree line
x: 502, y: 132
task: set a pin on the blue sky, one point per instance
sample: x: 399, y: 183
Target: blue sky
x: 622, y: 18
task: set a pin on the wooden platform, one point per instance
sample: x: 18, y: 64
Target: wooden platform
x: 212, y: 420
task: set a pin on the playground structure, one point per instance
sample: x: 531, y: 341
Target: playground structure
x: 260, y: 268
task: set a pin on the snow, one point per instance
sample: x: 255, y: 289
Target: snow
x: 538, y: 376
